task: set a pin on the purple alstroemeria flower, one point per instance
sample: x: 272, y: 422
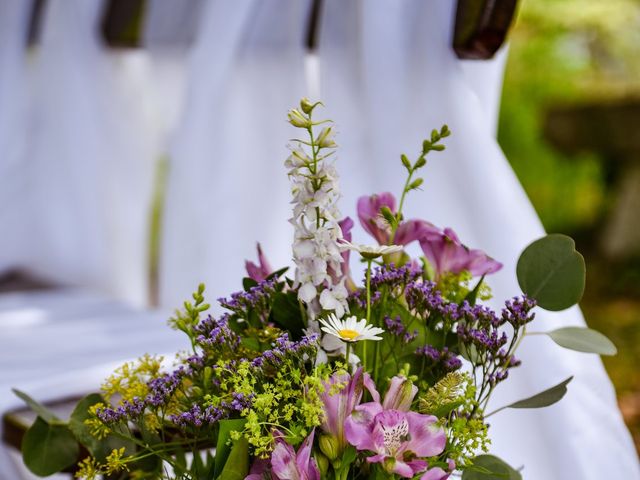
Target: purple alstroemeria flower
x: 260, y: 470
x: 261, y: 271
x: 398, y: 437
x: 446, y: 253
x: 439, y: 474
x: 374, y: 223
x: 286, y: 464
x: 339, y: 405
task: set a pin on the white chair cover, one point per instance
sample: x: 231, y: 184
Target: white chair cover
x: 90, y: 159
x: 388, y: 76
x: 13, y: 101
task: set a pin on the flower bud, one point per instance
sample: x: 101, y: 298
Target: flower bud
x: 306, y: 106
x: 297, y: 119
x: 329, y: 446
x: 400, y: 394
x: 323, y: 463
x: 325, y: 139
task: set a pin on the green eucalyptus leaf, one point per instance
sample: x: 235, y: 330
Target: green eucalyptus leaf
x: 553, y: 272
x: 224, y: 435
x: 248, y: 283
x: 490, y: 467
x: 79, y: 415
x: 237, y: 465
x: 43, y: 412
x: 100, y: 448
x: 545, y: 398
x: 48, y: 449
x: 444, y: 410
x: 583, y: 339
x: 277, y: 273
x: 285, y: 311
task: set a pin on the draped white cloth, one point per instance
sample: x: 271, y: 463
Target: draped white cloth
x: 388, y: 76
x: 13, y: 103
x: 81, y: 157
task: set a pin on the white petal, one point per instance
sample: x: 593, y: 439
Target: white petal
x: 307, y: 292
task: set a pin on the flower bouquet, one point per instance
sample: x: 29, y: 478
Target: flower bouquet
x: 315, y: 376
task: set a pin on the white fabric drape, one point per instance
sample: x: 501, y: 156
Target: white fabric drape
x: 388, y: 76
x: 226, y: 186
x: 90, y: 159
x: 13, y: 105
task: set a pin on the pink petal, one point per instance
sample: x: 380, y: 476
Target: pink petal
x: 283, y: 461
x: 427, y: 439
x: 369, y: 215
x: 400, y: 394
x: 358, y: 428
x: 304, y: 452
x: 403, y: 469
x: 435, y: 474
x: 413, y: 230
x: 369, y: 385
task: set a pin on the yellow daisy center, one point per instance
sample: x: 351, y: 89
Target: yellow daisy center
x: 348, y: 334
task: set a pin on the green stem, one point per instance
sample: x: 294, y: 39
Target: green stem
x: 346, y: 357
x: 400, y: 205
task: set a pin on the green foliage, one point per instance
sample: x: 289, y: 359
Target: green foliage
x: 553, y: 272
x: 49, y: 448
x: 545, y: 398
x: 42, y: 411
x: 583, y: 339
x: 223, y: 446
x: 237, y: 464
x: 490, y: 467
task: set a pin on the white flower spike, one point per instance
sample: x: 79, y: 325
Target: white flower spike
x: 351, y: 329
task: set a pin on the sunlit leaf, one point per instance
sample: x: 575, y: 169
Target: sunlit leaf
x: 553, y: 272
x: 583, y: 339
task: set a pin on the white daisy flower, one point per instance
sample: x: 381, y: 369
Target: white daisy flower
x: 351, y: 329
x: 371, y: 251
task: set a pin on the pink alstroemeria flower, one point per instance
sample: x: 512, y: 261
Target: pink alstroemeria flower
x: 261, y: 271
x: 439, y: 474
x: 374, y: 223
x: 446, y: 253
x: 346, y: 225
x: 339, y: 405
x: 260, y: 470
x: 398, y: 437
x: 286, y: 464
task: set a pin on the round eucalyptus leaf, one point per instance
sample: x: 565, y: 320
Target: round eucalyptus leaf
x: 553, y: 272
x: 490, y: 467
x: 47, y: 449
x: 545, y: 398
x: 583, y: 339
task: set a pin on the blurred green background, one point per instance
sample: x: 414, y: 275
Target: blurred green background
x: 564, y: 54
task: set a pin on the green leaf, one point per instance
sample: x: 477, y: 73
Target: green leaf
x: 553, y: 272
x: 277, y: 273
x: 285, y: 311
x: 47, y: 449
x: 237, y: 465
x: 42, y: 411
x: 99, y: 448
x: 490, y: 467
x: 543, y: 399
x: 583, y: 339
x: 248, y: 283
x: 79, y: 415
x: 472, y: 296
x: 224, y: 435
x: 444, y: 410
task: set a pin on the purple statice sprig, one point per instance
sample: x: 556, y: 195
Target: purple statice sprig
x: 395, y: 277
x: 398, y: 330
x: 255, y: 302
x: 438, y: 361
